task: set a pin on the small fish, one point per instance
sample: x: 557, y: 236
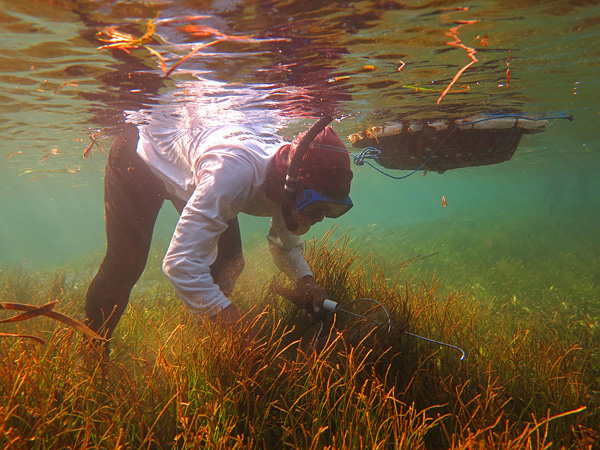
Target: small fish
x: 444, y: 202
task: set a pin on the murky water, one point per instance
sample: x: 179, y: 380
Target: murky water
x: 278, y: 62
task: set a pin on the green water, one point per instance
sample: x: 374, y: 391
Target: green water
x: 526, y: 227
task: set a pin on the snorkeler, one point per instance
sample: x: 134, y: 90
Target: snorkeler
x: 211, y: 176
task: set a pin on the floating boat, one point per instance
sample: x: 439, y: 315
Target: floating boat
x: 443, y: 144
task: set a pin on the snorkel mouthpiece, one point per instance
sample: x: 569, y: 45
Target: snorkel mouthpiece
x: 291, y: 179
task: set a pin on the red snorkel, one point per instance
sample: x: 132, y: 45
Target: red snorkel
x: 291, y: 179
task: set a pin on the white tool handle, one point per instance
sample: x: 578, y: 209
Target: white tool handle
x: 329, y: 305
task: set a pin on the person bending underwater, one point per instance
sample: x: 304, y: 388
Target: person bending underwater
x: 211, y: 176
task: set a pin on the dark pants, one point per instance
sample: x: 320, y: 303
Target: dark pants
x: 133, y: 196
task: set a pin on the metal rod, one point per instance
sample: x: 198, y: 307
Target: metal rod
x: 341, y: 308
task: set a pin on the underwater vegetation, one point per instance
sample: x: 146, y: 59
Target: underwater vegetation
x: 523, y: 267
x: 528, y: 380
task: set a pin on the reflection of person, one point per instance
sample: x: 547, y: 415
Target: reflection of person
x: 210, y: 176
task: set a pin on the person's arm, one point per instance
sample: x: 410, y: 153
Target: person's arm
x: 287, y: 251
x: 221, y: 190
x: 313, y: 294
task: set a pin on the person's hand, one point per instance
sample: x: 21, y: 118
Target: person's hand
x: 312, y: 295
x: 229, y: 317
x: 249, y: 350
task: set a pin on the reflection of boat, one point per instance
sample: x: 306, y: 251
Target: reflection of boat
x: 443, y: 144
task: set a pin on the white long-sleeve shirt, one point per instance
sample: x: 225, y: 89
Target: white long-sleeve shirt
x: 220, y: 172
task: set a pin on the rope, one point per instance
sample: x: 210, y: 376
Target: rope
x: 373, y: 153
